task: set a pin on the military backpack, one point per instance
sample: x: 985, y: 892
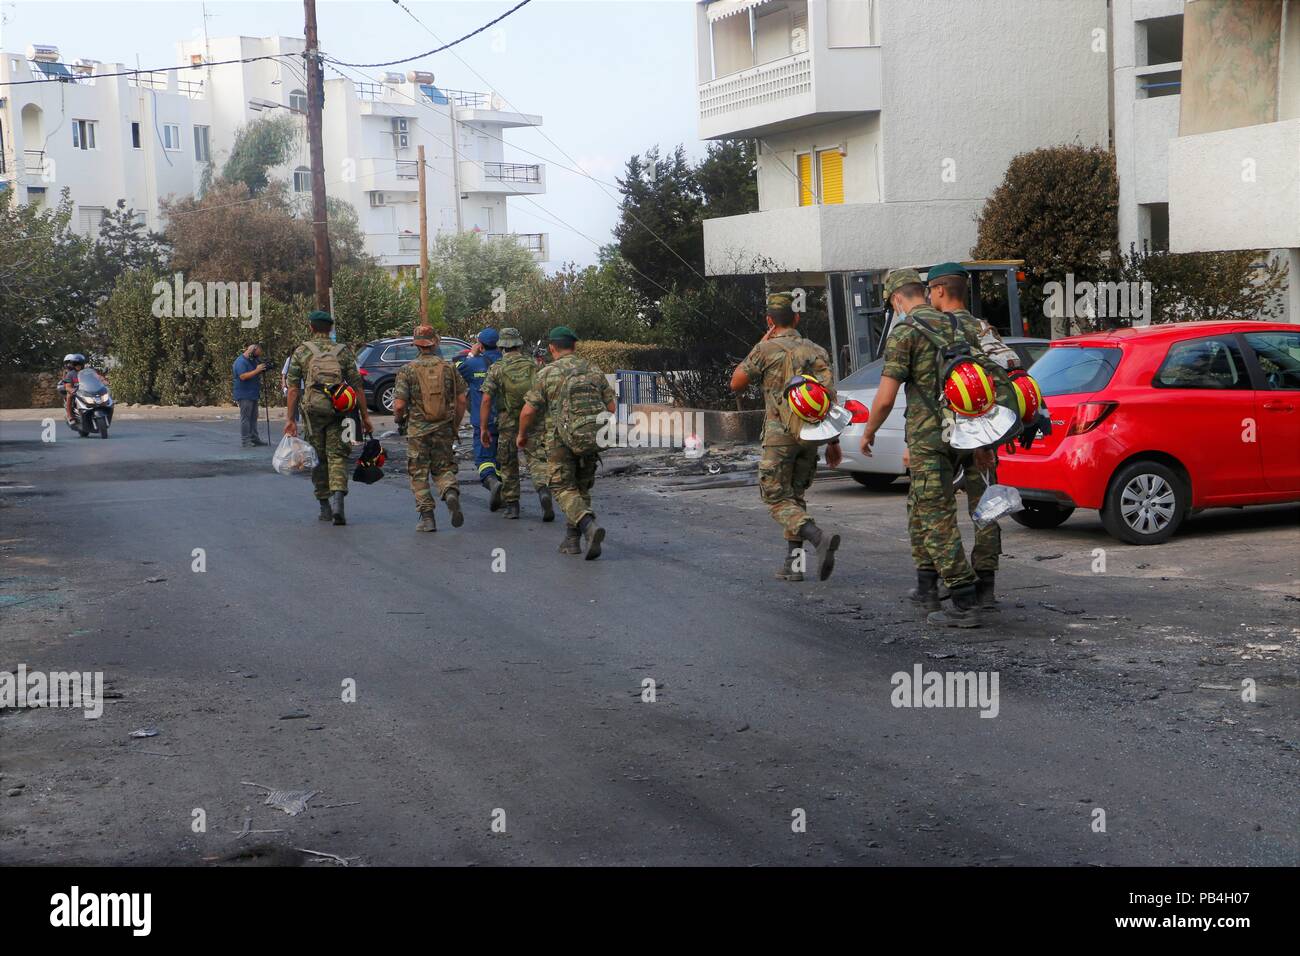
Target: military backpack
x: 517, y: 375
x: 437, y: 390
x: 324, y: 369
x: 582, y: 412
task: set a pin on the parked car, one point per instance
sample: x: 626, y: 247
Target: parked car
x: 886, y: 462
x: 1151, y: 424
x: 380, y: 361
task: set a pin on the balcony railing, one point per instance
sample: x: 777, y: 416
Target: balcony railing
x: 513, y: 172
x: 408, y: 244
x: 791, y: 76
x: 534, y: 242
x: 34, y: 161
x: 408, y: 169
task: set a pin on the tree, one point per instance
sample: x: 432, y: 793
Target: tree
x: 660, y: 234
x: 1056, y: 209
x: 469, y: 269
x: 125, y: 244
x: 1196, y: 286
x: 259, y: 147
x: 727, y: 179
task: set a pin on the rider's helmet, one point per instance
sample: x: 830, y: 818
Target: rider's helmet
x: 73, y: 358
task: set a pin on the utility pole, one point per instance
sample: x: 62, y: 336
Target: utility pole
x: 315, y: 104
x: 424, y: 243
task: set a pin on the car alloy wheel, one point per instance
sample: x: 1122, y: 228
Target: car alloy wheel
x: 1147, y: 504
x: 386, y: 395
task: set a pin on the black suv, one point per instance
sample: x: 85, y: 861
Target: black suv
x: 379, y: 362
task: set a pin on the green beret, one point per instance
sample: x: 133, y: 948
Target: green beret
x: 561, y: 333
x: 898, y: 278
x: 780, y: 302
x: 946, y: 269
x: 320, y: 317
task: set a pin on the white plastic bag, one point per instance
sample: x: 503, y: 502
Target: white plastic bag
x: 997, y: 502
x: 293, y: 455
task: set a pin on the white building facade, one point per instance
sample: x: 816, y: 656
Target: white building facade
x: 145, y: 136
x: 882, y: 126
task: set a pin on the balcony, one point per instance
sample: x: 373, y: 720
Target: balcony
x: 509, y: 179
x: 1235, y: 189
x: 538, y: 243
x: 846, y: 237
x: 388, y: 175
x: 767, y: 66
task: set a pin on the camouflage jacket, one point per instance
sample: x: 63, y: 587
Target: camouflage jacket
x: 407, y: 388
x: 989, y: 340
x: 546, y: 391
x: 313, y: 401
x: 514, y: 366
x: 771, y: 364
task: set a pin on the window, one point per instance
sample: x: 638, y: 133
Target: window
x: 1154, y: 224
x: 302, y: 180
x: 83, y: 134
x: 36, y: 196
x: 830, y: 167
x: 171, y: 136
x: 202, y: 152
x: 89, y: 218
x: 135, y: 135
x: 804, y: 161
x: 298, y: 101
x: 449, y: 350
x: 1279, y: 358
x: 1066, y: 370
x: 400, y: 353
x: 1213, y: 363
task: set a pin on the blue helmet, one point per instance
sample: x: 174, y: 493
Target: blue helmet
x: 489, y: 338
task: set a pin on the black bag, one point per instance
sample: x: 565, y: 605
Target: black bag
x: 370, y: 465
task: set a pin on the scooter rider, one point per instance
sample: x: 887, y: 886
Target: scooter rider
x: 73, y: 363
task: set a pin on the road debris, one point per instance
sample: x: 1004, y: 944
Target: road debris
x: 292, y: 802
x: 144, y: 732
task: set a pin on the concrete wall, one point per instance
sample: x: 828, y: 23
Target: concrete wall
x: 778, y: 180
x: 980, y: 81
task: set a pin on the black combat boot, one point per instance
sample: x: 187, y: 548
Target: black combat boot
x: 593, y: 534
x: 512, y: 509
x: 571, y: 544
x: 426, y: 522
x: 825, y: 543
x: 336, y: 506
x: 452, y: 500
x: 984, y: 591
x: 964, y: 611
x: 548, y: 509
x: 792, y: 570
x: 494, y: 486
x: 325, y: 513
x: 926, y: 593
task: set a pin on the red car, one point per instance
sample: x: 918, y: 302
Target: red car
x: 1150, y: 424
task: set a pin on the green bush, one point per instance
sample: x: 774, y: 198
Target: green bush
x: 612, y: 356
x: 128, y: 322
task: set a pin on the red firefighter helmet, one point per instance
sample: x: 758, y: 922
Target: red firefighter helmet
x: 808, y: 398
x: 968, y: 389
x: 343, y: 397
x: 1029, y: 397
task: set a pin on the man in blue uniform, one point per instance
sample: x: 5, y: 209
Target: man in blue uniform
x: 474, y: 369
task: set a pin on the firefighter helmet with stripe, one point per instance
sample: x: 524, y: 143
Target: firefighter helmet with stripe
x: 808, y: 398
x: 968, y: 389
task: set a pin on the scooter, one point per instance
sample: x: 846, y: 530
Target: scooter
x: 92, y: 406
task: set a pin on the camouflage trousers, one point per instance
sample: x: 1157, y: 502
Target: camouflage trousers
x: 932, y: 519
x: 784, y: 474
x: 430, y: 454
x: 325, y: 435
x: 508, y: 459
x: 988, y: 541
x: 571, y: 477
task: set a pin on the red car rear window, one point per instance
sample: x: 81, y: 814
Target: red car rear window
x: 1066, y: 370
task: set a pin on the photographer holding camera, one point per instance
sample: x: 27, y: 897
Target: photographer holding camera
x: 246, y: 389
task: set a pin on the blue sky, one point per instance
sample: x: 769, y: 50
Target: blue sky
x: 609, y: 77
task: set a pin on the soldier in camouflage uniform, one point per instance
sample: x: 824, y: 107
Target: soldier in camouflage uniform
x: 430, y: 397
x: 570, y: 392
x: 507, y: 382
x: 788, y: 463
x: 317, y: 362
x: 912, y: 359
x: 948, y: 284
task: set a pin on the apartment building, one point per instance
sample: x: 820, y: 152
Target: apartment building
x: 882, y: 126
x: 145, y: 136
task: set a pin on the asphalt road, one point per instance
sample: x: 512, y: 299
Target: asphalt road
x: 515, y: 696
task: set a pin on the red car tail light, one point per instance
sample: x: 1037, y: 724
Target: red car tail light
x: 859, y: 411
x: 1089, y: 415
x: 363, y: 372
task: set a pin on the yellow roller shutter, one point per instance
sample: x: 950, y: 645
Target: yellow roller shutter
x: 832, y: 170
x: 805, y: 179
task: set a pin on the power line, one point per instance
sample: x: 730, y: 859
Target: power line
x: 445, y: 46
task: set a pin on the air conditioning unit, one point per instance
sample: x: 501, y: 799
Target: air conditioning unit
x: 403, y: 141
x: 377, y: 199
x: 400, y: 124
x: 43, y: 52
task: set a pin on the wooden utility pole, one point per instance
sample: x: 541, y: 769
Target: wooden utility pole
x: 315, y: 104
x: 424, y: 243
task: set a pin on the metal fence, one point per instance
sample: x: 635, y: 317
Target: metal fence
x: 513, y: 172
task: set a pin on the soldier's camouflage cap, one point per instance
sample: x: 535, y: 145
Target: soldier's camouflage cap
x: 780, y: 302
x: 946, y: 269
x: 899, y: 278
x: 510, y: 339
x: 562, y: 333
x: 425, y: 336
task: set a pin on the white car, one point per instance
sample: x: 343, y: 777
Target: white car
x: 886, y: 462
